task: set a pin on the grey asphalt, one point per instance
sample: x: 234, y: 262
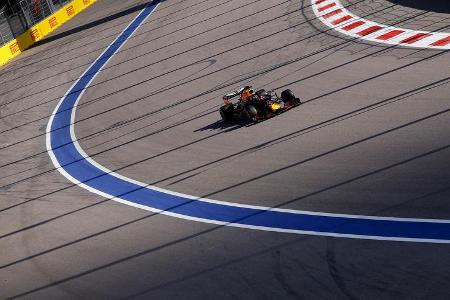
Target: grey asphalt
x: 371, y: 138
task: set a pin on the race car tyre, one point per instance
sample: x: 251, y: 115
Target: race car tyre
x: 250, y: 113
x: 288, y: 96
x: 260, y: 92
x: 226, y: 112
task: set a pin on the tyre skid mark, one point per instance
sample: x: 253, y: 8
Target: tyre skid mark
x: 73, y: 163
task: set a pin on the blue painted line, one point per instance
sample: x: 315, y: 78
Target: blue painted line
x: 72, y: 162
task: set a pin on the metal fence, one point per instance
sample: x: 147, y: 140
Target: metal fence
x: 17, y: 16
x: 5, y: 29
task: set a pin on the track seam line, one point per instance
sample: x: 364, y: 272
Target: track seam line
x: 88, y: 174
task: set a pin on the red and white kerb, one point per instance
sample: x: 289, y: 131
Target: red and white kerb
x: 334, y: 15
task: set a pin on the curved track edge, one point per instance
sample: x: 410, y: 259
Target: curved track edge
x: 73, y: 163
x: 335, y: 16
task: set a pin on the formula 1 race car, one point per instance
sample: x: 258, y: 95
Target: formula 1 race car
x: 254, y: 107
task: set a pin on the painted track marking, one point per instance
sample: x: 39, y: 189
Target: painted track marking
x: 334, y: 15
x: 73, y: 163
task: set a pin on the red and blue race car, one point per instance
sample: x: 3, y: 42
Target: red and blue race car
x: 247, y: 105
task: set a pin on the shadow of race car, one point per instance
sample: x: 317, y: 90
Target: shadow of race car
x: 246, y: 105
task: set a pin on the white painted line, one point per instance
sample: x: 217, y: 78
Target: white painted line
x: 73, y: 163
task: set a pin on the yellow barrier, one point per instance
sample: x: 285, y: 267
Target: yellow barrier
x: 41, y: 29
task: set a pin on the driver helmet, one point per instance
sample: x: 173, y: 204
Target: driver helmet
x: 247, y: 92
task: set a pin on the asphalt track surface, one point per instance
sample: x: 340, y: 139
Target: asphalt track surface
x: 371, y: 139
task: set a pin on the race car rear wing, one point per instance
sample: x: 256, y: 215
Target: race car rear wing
x: 228, y: 97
